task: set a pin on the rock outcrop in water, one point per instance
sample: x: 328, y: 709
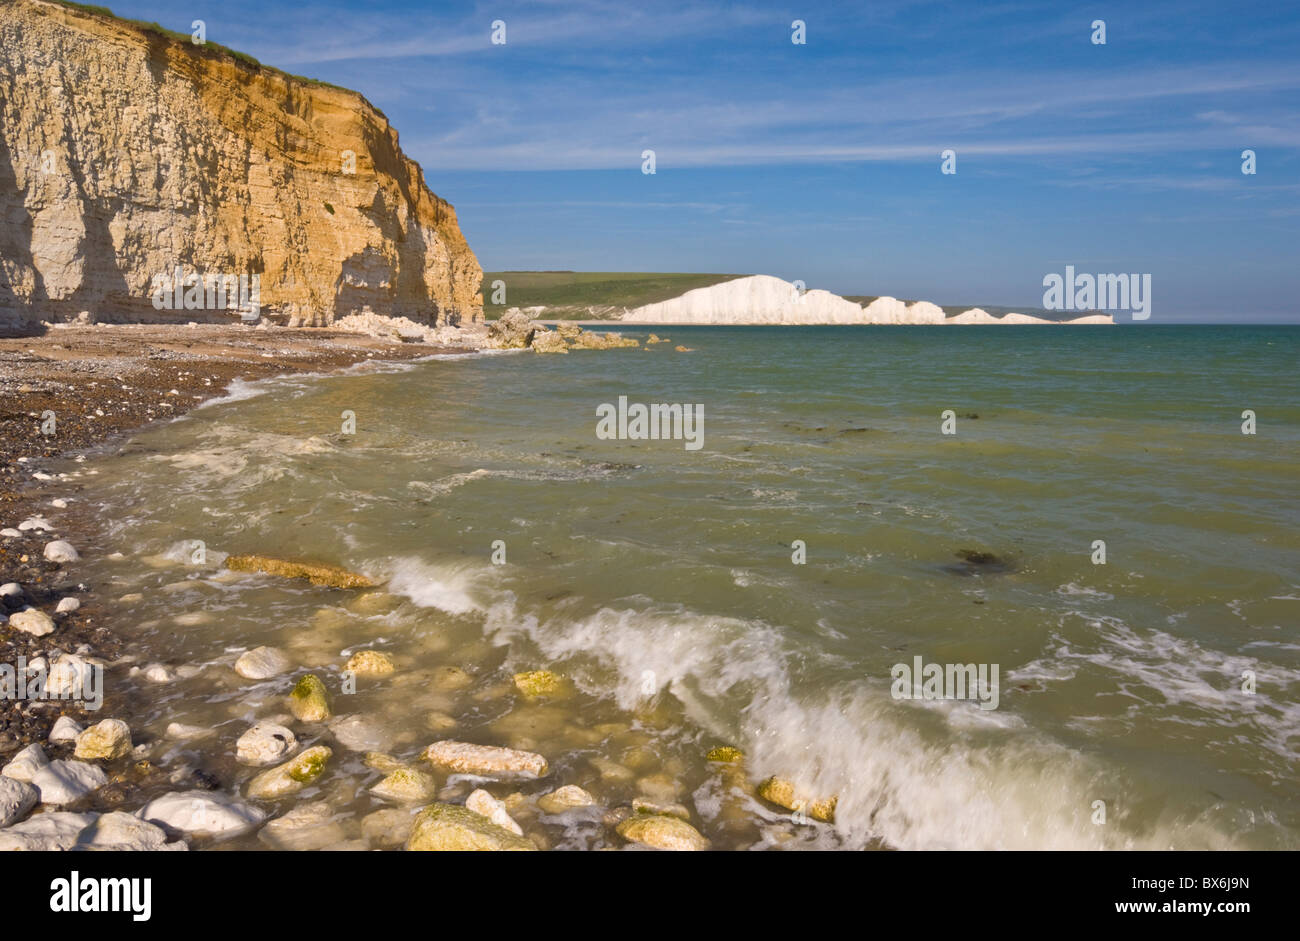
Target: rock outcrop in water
x: 515, y: 330
x: 762, y: 299
x: 127, y: 153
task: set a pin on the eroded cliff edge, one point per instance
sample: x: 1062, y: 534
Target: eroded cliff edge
x: 125, y: 154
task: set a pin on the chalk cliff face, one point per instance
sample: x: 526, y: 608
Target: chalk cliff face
x: 125, y: 154
x: 762, y: 299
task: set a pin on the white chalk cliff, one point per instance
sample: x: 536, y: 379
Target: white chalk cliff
x: 763, y: 299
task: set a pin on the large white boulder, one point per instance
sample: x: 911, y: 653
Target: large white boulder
x: 201, y: 812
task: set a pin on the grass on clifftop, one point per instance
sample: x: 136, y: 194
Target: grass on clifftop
x: 160, y: 30
x: 572, y: 294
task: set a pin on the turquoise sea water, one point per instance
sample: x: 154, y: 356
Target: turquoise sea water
x: 661, y: 579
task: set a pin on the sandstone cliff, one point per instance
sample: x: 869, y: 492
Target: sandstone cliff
x: 762, y: 299
x: 126, y: 154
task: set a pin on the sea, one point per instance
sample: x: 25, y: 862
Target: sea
x: 1102, y: 524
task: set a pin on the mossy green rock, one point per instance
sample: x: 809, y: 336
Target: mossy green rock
x: 370, y: 663
x: 782, y: 793
x: 290, y: 777
x: 309, y: 702
x: 406, y: 786
x: 318, y: 573
x: 450, y: 828
x: 726, y: 753
x: 540, y: 683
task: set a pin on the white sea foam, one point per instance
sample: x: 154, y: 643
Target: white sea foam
x: 237, y: 391
x: 446, y: 587
x: 973, y: 786
x: 250, y: 459
x: 1180, y: 673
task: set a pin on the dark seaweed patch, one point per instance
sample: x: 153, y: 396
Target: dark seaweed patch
x: 980, y: 562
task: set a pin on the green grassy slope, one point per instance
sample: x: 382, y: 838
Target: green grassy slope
x: 597, y: 295
x: 585, y: 295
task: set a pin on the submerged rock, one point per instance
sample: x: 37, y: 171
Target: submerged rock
x: 782, y: 793
x: 108, y: 739
x: 611, y: 771
x: 484, y: 804
x: 725, y: 753
x: 370, y: 663
x: 359, y: 733
x: 388, y: 827
x: 641, y: 805
x: 980, y: 562
x: 309, y: 827
x: 308, y: 701
x: 201, y: 812
x: 451, y: 678
x: 447, y: 827
x: 440, y: 721
x: 659, y: 787
x: 537, y: 683
x: 565, y: 798
x: 290, y: 777
x: 265, y: 743
x: 262, y: 663
x: 381, y: 762
x: 464, y: 758
x: 158, y: 673
x: 186, y: 733
x: 374, y: 602
x: 662, y: 833
x: 406, y: 786
x: 318, y: 573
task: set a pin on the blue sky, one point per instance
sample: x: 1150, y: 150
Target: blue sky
x: 821, y: 162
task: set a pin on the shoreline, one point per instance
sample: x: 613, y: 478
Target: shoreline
x: 162, y: 371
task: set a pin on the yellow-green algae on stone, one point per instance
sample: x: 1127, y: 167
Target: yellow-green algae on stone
x: 309, y: 701
x: 450, y: 828
x: 292, y: 776
x: 406, y: 786
x: 370, y: 663
x: 782, y: 793
x: 727, y: 753
x: 318, y: 573
x: 662, y: 832
x: 539, y: 683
